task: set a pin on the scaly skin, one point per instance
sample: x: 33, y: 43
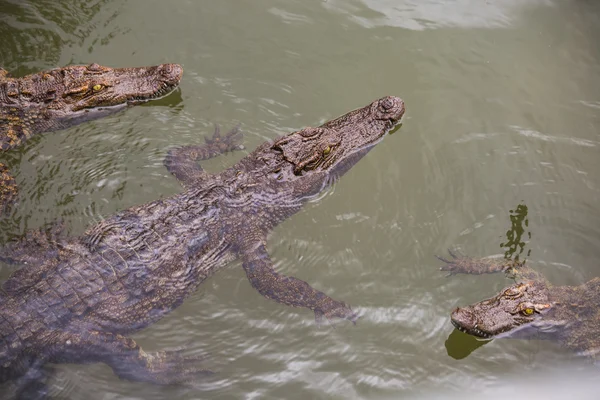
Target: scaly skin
x: 532, y: 307
x: 8, y: 189
x: 79, y: 298
x: 63, y: 97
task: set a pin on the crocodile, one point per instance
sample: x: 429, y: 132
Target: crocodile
x: 530, y: 308
x: 64, y: 97
x: 78, y: 299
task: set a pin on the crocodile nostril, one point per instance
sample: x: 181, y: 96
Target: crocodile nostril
x: 171, y: 73
x: 387, y: 104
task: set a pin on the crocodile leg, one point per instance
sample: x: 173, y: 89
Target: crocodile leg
x: 289, y: 290
x: 182, y: 162
x: 32, y: 251
x: 35, y: 247
x: 461, y: 264
x: 127, y: 359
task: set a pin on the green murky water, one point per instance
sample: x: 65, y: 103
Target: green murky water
x: 502, y: 127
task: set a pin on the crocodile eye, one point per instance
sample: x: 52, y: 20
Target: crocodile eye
x: 528, y: 311
x: 512, y: 292
x: 97, y: 88
x: 326, y: 150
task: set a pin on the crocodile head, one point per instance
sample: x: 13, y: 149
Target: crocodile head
x: 317, y: 156
x: 517, y: 307
x: 80, y: 87
x: 63, y: 97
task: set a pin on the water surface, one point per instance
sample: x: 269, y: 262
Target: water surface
x: 503, y: 103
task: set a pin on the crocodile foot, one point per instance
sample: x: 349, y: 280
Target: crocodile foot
x: 334, y: 309
x: 461, y: 264
x: 171, y: 367
x: 230, y: 142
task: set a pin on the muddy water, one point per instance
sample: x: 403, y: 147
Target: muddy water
x: 499, y: 153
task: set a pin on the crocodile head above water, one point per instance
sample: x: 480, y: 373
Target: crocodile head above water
x: 63, y: 97
x: 313, y: 157
x: 516, y: 307
x: 79, y: 87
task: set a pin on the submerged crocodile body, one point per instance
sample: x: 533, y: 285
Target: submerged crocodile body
x: 63, y: 97
x: 532, y: 307
x: 78, y: 298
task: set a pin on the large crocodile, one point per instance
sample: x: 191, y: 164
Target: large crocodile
x: 531, y: 307
x: 63, y: 97
x: 78, y: 298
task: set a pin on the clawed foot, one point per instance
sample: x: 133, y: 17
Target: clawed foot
x: 461, y: 264
x: 453, y: 266
x: 334, y: 309
x: 230, y: 142
x: 173, y: 367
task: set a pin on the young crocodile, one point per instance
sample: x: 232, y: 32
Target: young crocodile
x: 532, y: 307
x: 79, y: 298
x: 63, y: 97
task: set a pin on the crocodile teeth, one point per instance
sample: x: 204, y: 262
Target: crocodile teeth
x: 474, y: 331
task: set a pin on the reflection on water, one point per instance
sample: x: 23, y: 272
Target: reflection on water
x: 581, y: 385
x: 459, y: 344
x: 39, y: 34
x: 432, y: 14
x: 514, y: 236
